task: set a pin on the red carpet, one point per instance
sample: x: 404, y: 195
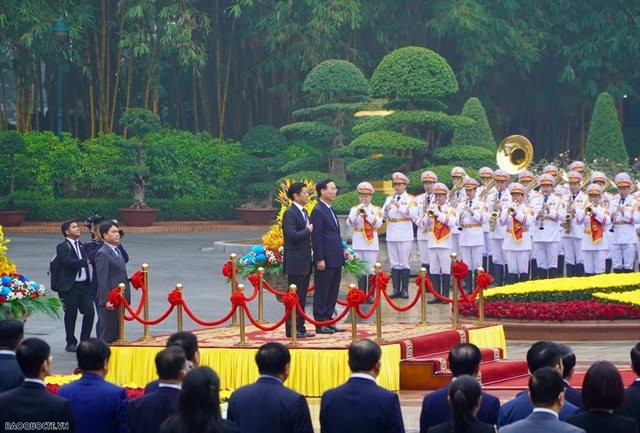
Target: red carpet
x: 520, y: 383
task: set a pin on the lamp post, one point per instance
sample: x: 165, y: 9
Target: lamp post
x: 60, y: 31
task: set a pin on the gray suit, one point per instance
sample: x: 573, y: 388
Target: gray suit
x: 540, y: 422
x: 111, y: 271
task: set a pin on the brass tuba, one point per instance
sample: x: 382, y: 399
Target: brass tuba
x: 515, y: 154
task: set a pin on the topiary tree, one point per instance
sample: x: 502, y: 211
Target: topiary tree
x: 465, y: 156
x: 605, y: 140
x: 475, y: 134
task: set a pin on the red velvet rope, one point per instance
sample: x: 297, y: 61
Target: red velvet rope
x: 202, y: 322
x: 324, y: 323
x: 459, y: 269
x: 272, y: 290
x: 141, y: 304
x: 255, y: 323
x: 374, y: 306
x: 429, y: 286
x: 137, y: 318
x: 406, y: 307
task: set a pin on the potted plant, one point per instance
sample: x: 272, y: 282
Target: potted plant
x: 11, y: 145
x: 139, y: 123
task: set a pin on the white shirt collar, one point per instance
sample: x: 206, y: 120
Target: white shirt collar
x: 170, y: 385
x: 7, y: 352
x: 545, y: 410
x: 363, y: 376
x: 73, y: 241
x: 41, y: 382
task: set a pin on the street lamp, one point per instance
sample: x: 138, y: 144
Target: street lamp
x: 60, y: 31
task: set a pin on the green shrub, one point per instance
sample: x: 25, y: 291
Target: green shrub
x: 335, y: 80
x: 264, y: 140
x: 373, y: 168
x: 464, y: 156
x: 315, y: 176
x: 479, y: 132
x: 605, y: 138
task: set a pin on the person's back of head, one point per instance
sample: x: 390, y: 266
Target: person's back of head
x: 199, y: 403
x: 568, y: 360
x: 635, y: 359
x: 543, y: 354
x: 32, y: 356
x: 464, y: 358
x: 545, y: 386
x: 602, y: 387
x: 273, y: 359
x: 171, y: 364
x: 189, y: 343
x: 364, y: 356
x: 11, y: 334
x: 464, y: 398
x: 93, y: 355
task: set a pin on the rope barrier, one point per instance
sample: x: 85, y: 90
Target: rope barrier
x: 372, y: 310
x: 325, y: 322
x: 140, y: 305
x: 399, y: 308
x: 135, y: 316
x: 202, y: 322
x: 255, y: 323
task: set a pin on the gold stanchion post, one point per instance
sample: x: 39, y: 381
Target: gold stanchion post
x: 294, y: 324
x: 121, y: 287
x: 480, y: 300
x: 423, y: 298
x: 242, y: 342
x: 145, y: 311
x: 234, y: 283
x: 354, y: 322
x: 454, y: 258
x: 179, y: 307
x: 260, y: 294
x: 377, y: 269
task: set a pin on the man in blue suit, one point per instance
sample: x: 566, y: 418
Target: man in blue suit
x: 463, y: 359
x: 98, y: 406
x: 267, y: 406
x: 11, y: 333
x: 296, y: 230
x: 328, y: 256
x: 631, y: 405
x: 360, y: 405
x: 541, y: 354
x: 546, y: 391
x: 147, y: 413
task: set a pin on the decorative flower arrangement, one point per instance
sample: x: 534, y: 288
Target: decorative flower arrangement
x: 20, y: 297
x: 630, y: 298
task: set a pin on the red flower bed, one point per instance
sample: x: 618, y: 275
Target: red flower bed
x: 131, y: 392
x: 553, y: 311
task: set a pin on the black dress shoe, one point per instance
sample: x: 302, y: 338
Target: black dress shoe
x: 395, y: 294
x: 305, y: 334
x: 434, y: 301
x: 334, y: 328
x: 71, y: 348
x: 404, y: 294
x: 324, y: 330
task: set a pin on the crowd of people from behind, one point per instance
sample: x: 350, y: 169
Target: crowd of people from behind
x: 186, y: 396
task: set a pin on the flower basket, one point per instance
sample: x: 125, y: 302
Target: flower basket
x: 20, y: 298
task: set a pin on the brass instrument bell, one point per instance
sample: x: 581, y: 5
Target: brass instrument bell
x: 514, y: 154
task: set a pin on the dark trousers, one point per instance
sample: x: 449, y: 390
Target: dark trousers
x: 325, y: 293
x: 109, y: 324
x: 77, y: 299
x: 302, y: 283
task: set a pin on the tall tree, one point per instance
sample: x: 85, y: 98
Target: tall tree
x: 605, y: 140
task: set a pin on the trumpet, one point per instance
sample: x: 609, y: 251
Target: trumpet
x: 511, y: 211
x: 431, y: 211
x: 588, y: 211
x: 362, y: 211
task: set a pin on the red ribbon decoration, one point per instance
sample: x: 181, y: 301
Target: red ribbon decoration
x: 175, y: 297
x: 460, y: 269
x: 380, y: 281
x: 290, y: 300
x: 227, y: 269
x: 237, y: 299
x: 137, y: 280
x: 597, y: 233
x: 355, y: 297
x: 254, y: 279
x: 114, y: 297
x: 483, y: 280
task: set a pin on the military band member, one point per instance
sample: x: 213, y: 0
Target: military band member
x: 471, y: 214
x: 527, y: 179
x: 578, y: 166
x: 594, y: 217
x: 438, y: 222
x: 517, y: 217
x: 549, y: 212
x: 366, y: 219
x: 624, y: 216
x: 423, y: 201
x: 399, y: 210
x: 572, y: 232
x: 600, y: 179
x: 497, y: 232
x: 485, y: 193
x: 456, y: 195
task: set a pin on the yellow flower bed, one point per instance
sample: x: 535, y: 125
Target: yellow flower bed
x: 574, y: 284
x: 631, y: 298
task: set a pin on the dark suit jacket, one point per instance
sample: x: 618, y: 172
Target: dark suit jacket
x: 604, y: 422
x: 98, y: 406
x: 267, y: 406
x: 11, y: 376
x: 360, y: 405
x: 631, y: 405
x: 475, y: 427
x: 70, y: 264
x: 436, y: 409
x: 327, y: 244
x: 147, y: 413
x: 91, y: 248
x: 573, y: 395
x: 171, y: 426
x: 520, y: 408
x: 297, y: 242
x: 111, y: 271
x: 32, y: 402
x: 540, y: 422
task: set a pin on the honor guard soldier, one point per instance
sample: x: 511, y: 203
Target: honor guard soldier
x: 399, y: 210
x: 423, y: 202
x: 439, y: 221
x: 572, y: 232
x: 497, y: 232
x: 600, y: 179
x: 485, y: 194
x: 517, y: 218
x: 456, y: 195
x: 528, y: 182
x: 366, y: 219
x: 594, y: 217
x: 558, y: 188
x: 624, y: 217
x: 548, y: 211
x: 471, y: 214
x: 578, y: 166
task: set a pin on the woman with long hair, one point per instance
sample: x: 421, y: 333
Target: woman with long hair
x: 465, y: 393
x: 199, y: 406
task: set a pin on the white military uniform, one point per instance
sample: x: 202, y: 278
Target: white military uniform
x: 366, y: 249
x: 440, y: 239
x: 471, y: 237
x: 496, y: 237
x: 423, y: 201
x: 572, y: 239
x: 488, y: 198
x: 400, y: 229
x: 547, y: 231
x: 518, y: 249
x: 594, y: 251
x: 623, y: 241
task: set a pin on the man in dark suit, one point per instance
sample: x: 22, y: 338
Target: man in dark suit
x: 571, y: 394
x: 188, y: 342
x: 631, y: 405
x: 31, y: 402
x: 296, y: 230
x: 112, y: 271
x: 546, y: 391
x: 147, y: 413
x: 98, y: 406
x: 328, y: 256
x: 267, y: 406
x: 360, y: 405
x: 464, y: 358
x: 74, y: 284
x: 11, y: 334
x: 541, y: 354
